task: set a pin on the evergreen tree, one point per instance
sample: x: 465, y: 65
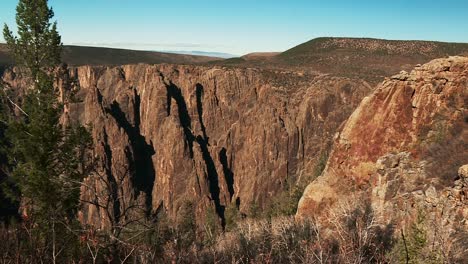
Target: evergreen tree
x: 38, y: 45
x: 47, y: 159
x: 8, y: 207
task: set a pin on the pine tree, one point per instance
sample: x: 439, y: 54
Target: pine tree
x: 7, y: 206
x: 47, y: 159
x: 38, y: 45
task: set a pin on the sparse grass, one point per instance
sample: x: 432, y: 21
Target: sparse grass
x: 351, y: 233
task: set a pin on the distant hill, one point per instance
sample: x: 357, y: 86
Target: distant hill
x: 369, y: 59
x: 260, y: 55
x: 375, y: 47
x: 202, y: 53
x: 363, y: 58
x: 79, y: 55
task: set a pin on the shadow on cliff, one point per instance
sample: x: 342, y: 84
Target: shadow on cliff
x: 199, y: 94
x: 142, y: 167
x: 113, y: 186
x: 228, y: 174
x: 174, y: 92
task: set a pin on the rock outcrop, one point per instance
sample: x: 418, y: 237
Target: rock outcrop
x: 405, y: 147
x: 399, y: 189
x: 166, y: 135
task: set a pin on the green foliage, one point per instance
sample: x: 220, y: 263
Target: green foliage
x: 5, y: 184
x: 186, y: 225
x: 285, y: 204
x: 47, y: 160
x: 414, y: 244
x: 232, y: 216
x: 254, y: 210
x: 321, y: 163
x: 440, y: 133
x: 212, y: 226
x: 38, y: 44
x: 417, y: 239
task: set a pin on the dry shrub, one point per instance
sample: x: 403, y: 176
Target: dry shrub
x: 358, y: 233
x: 350, y: 235
x: 446, y: 151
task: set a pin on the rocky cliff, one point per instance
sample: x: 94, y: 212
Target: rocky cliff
x: 166, y: 135
x: 403, y: 149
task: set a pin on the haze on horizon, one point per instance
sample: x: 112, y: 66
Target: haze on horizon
x: 244, y: 26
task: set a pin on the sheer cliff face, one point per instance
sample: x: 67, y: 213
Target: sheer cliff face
x: 168, y: 134
x: 402, y: 146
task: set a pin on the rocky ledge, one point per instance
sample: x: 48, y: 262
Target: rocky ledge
x: 404, y: 149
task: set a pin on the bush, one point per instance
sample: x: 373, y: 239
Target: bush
x: 186, y: 225
x: 232, y: 216
x: 212, y: 227
x: 416, y: 246
x: 284, y: 204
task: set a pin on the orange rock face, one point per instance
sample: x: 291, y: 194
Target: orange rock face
x: 167, y: 134
x: 423, y: 113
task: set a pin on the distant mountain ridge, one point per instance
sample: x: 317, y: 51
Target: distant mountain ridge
x: 81, y: 55
x: 202, y: 53
x: 362, y: 58
x: 260, y: 55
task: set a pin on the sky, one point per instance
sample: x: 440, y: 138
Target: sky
x: 243, y: 26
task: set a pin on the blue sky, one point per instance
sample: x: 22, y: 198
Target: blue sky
x: 243, y: 26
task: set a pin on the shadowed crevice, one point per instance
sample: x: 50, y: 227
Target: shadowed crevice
x: 113, y: 188
x: 99, y: 96
x: 199, y: 94
x: 213, y: 179
x: 228, y: 174
x: 142, y: 167
x: 173, y: 92
x: 2, y: 69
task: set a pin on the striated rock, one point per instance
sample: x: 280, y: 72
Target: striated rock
x: 423, y: 114
x: 165, y: 134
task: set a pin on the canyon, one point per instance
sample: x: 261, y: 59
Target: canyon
x: 224, y: 135
x: 212, y: 136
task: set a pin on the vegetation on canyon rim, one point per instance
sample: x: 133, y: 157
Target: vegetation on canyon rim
x: 46, y: 158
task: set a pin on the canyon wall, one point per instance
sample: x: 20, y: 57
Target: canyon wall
x: 166, y: 135
x: 404, y: 151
